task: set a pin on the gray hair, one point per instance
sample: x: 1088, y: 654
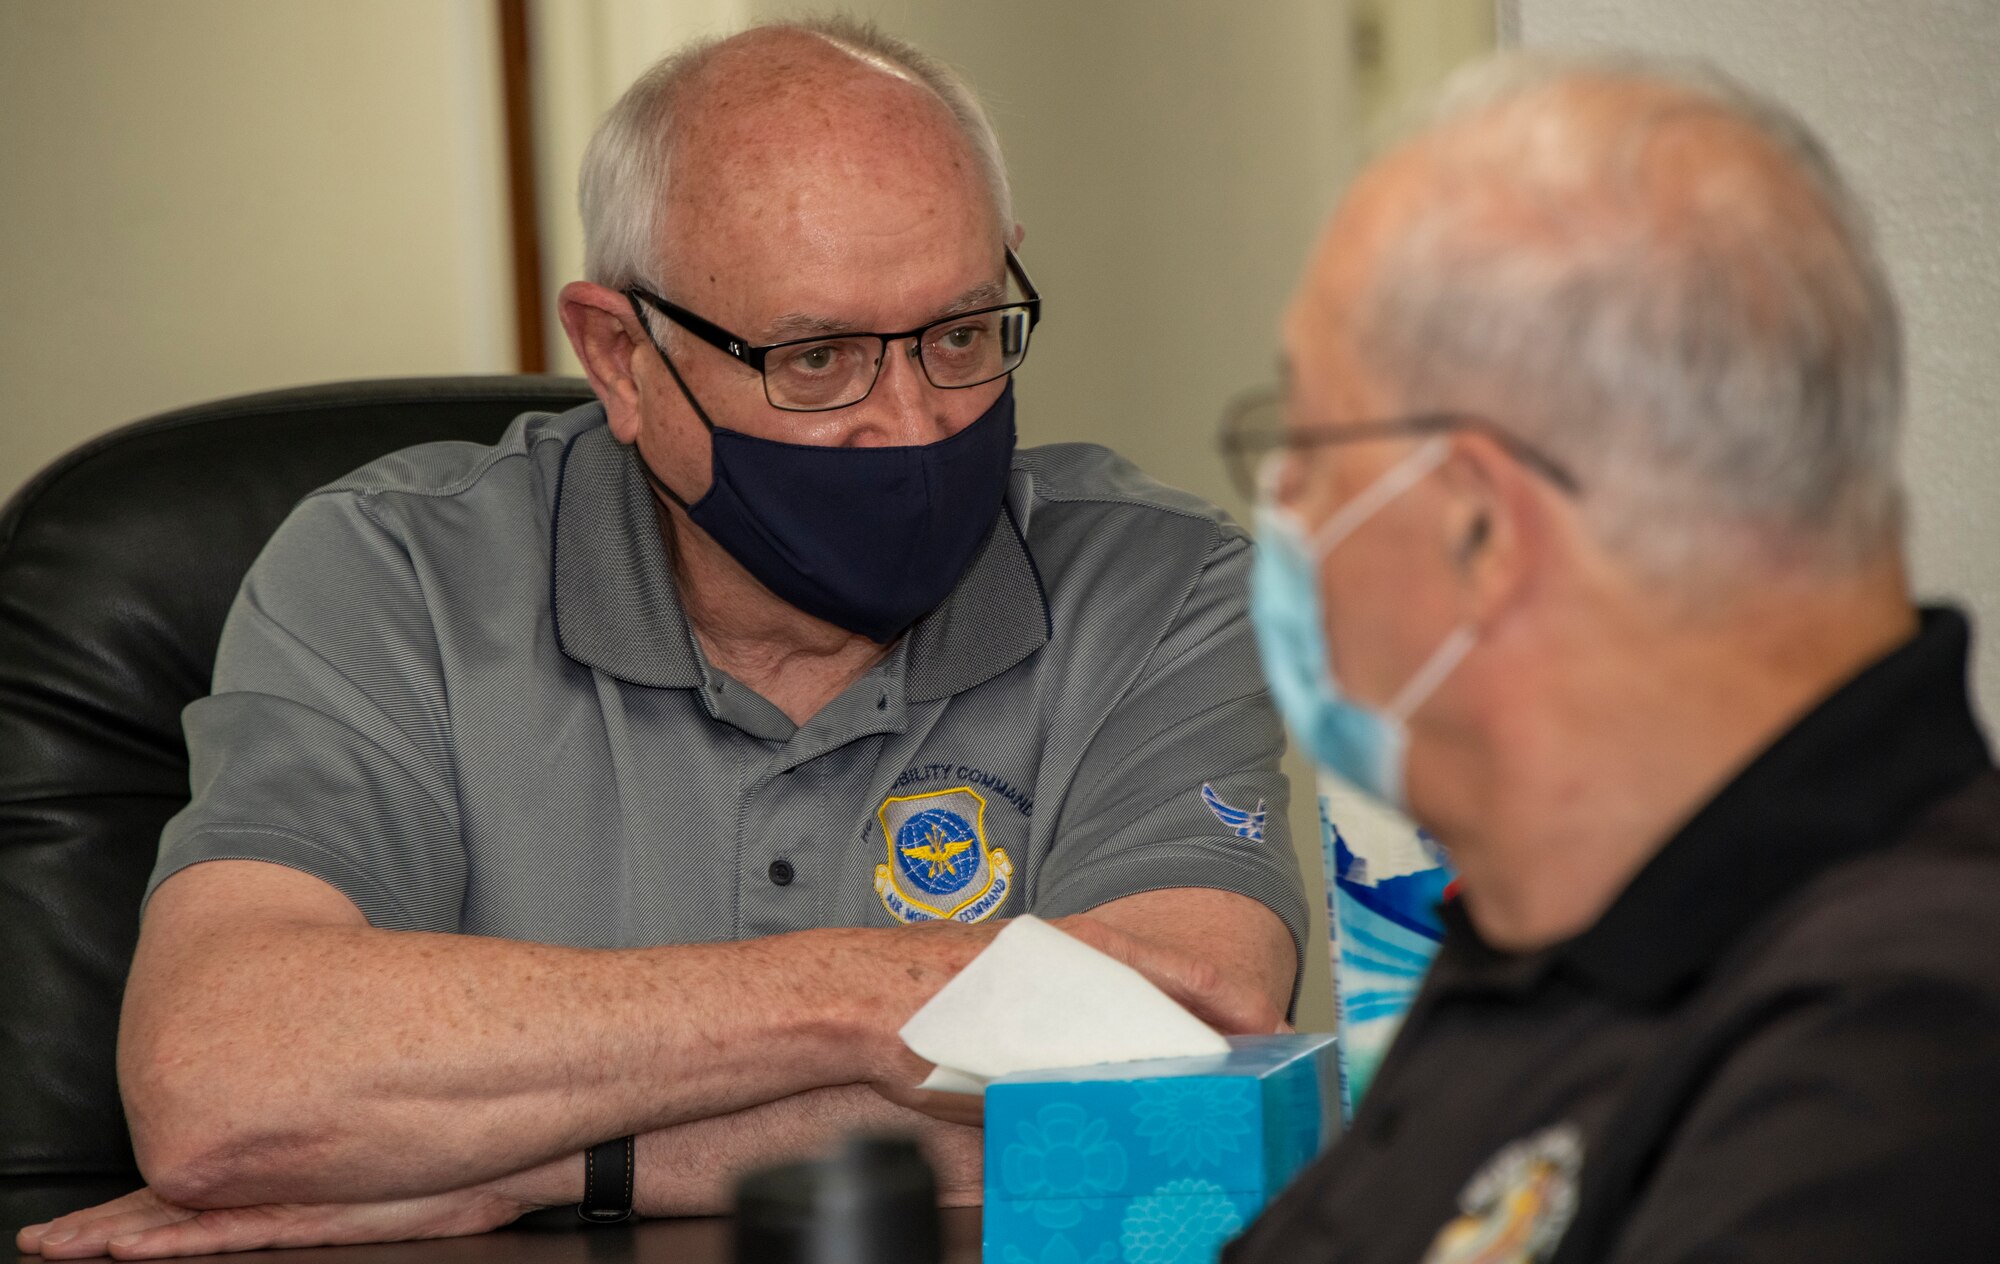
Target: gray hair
x: 1725, y: 380
x: 622, y: 187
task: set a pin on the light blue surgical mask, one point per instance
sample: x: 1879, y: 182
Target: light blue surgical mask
x: 1366, y: 745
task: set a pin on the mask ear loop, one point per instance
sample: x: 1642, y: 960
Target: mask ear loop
x: 1447, y: 656
x: 1450, y: 652
x: 1393, y: 482
x: 659, y: 484
x: 1399, y: 478
x: 639, y: 313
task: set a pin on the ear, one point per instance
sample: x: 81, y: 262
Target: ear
x: 1015, y: 238
x: 1497, y: 530
x: 606, y: 337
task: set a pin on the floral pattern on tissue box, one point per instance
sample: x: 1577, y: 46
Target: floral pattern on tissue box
x: 1156, y: 1162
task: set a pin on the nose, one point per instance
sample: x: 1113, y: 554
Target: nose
x: 904, y: 408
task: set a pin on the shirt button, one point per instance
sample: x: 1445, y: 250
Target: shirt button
x: 781, y: 872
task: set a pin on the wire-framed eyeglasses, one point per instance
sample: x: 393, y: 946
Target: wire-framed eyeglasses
x: 1253, y: 430
x: 827, y: 371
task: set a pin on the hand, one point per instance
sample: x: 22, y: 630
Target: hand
x: 1234, y: 1005
x: 967, y: 1109
x: 1231, y: 1001
x: 143, y: 1226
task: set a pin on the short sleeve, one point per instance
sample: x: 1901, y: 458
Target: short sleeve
x: 325, y: 745
x: 1859, y: 1124
x: 1180, y: 785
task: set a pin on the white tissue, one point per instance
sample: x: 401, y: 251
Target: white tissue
x: 1037, y: 998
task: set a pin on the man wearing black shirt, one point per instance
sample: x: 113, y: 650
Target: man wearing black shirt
x: 1583, y: 542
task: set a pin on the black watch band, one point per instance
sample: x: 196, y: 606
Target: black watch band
x: 607, y: 1182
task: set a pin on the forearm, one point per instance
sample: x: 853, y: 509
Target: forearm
x: 691, y: 1169
x: 310, y: 1062
x: 688, y: 1169
x: 351, y: 1048
x: 1225, y: 944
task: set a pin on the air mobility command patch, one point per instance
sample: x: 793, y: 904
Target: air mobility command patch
x: 940, y: 867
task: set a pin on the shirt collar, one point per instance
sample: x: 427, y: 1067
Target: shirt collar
x: 1848, y: 779
x: 617, y: 608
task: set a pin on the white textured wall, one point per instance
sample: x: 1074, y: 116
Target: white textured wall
x: 1907, y: 94
x: 209, y: 197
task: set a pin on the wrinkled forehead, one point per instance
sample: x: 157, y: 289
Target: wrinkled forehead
x: 816, y: 150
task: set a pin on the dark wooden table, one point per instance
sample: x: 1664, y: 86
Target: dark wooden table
x: 704, y: 1241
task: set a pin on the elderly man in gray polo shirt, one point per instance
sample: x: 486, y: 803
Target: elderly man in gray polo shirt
x: 706, y: 730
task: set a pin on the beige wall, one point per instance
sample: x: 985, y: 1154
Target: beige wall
x: 583, y: 54
x: 1907, y: 95
x: 215, y: 196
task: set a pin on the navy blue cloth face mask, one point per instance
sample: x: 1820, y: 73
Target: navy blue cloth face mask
x: 868, y: 539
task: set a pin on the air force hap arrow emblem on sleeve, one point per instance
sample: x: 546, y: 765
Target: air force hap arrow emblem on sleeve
x: 1244, y: 824
x: 939, y: 864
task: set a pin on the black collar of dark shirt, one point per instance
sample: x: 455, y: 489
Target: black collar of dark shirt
x: 1848, y: 779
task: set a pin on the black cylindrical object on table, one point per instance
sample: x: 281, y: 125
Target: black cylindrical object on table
x: 874, y: 1202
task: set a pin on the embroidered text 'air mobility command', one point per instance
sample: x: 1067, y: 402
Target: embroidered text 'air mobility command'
x: 939, y: 864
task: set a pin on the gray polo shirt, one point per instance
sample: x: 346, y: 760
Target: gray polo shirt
x: 459, y: 687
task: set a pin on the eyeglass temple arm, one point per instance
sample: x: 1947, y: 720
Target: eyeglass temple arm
x: 708, y: 331
x: 1246, y: 446
x: 1034, y: 296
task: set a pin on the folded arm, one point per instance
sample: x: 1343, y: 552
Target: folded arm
x: 275, y: 1048
x: 686, y: 1169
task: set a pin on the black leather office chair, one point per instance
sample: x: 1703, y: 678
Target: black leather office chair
x: 117, y: 566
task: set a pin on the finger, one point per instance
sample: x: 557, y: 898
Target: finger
x: 223, y: 1230
x: 94, y: 1237
x: 31, y: 1237
x: 966, y: 1109
x: 77, y: 1232
x: 329, y: 1224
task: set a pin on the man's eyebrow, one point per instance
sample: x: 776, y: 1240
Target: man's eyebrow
x: 990, y: 294
x: 801, y: 325
x: 806, y: 325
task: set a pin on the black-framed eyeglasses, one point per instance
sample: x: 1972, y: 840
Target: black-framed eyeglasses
x: 827, y: 371
x: 1253, y: 428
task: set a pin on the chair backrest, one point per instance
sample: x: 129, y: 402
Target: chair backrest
x: 117, y: 566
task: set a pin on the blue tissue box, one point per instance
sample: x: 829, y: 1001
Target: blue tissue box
x: 1152, y: 1162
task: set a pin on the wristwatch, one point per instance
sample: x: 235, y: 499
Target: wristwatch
x: 607, y: 1182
